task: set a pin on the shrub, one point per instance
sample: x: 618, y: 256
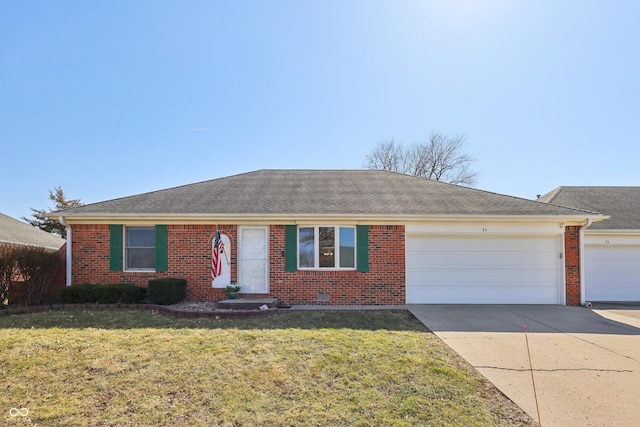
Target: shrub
x: 131, y: 294
x: 28, y: 274
x: 166, y: 291
x: 7, y: 271
x: 106, y: 294
x: 124, y: 293
x: 78, y: 294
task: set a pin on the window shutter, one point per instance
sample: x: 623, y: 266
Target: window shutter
x: 115, y: 247
x: 161, y: 248
x: 291, y: 247
x: 362, y: 236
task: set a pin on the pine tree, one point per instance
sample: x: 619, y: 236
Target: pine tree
x: 43, y: 222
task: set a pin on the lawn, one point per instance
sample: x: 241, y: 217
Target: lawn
x: 325, y: 368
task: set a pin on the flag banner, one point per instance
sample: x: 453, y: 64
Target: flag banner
x: 216, y: 258
x: 220, y: 260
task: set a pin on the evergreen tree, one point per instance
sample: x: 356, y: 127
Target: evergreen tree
x: 43, y: 222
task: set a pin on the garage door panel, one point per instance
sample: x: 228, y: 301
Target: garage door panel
x: 482, y: 270
x: 612, y: 273
x: 486, y: 295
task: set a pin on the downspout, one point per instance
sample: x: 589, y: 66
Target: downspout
x: 582, y: 262
x: 68, y: 257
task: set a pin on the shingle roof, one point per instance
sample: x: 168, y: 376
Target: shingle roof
x: 17, y: 232
x: 622, y: 204
x: 320, y: 192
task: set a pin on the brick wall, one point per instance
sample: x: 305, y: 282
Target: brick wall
x: 384, y: 283
x: 572, y: 264
x: 189, y: 252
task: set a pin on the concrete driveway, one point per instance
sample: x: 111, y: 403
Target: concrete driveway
x: 586, y: 363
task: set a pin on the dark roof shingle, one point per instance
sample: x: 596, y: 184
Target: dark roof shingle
x: 321, y: 192
x: 622, y: 204
x: 17, y: 232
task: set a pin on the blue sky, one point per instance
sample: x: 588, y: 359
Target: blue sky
x: 115, y: 98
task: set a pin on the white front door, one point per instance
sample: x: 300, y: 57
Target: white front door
x: 253, y: 265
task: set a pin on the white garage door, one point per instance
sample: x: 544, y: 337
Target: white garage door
x: 483, y: 270
x: 612, y: 273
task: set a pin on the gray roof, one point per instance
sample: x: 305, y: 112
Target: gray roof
x: 622, y: 204
x: 17, y: 232
x: 298, y: 193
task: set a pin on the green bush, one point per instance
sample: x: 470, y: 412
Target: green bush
x: 124, y: 293
x: 166, y: 291
x: 131, y: 294
x: 77, y: 294
x: 28, y: 275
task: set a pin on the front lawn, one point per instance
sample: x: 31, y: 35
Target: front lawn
x: 326, y: 368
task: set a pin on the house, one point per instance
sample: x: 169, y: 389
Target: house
x: 612, y: 247
x: 342, y: 237
x: 17, y: 233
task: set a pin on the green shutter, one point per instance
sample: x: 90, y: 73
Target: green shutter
x: 291, y: 247
x: 362, y: 236
x: 115, y: 247
x: 161, y: 248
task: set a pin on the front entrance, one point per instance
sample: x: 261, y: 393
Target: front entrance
x: 253, y: 265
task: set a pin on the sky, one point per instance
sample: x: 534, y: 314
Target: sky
x: 111, y: 98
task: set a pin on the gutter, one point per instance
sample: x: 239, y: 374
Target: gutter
x: 582, y: 264
x: 69, y: 251
x: 360, y: 218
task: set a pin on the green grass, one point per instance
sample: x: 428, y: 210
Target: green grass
x: 327, y: 368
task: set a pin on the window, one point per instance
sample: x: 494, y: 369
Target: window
x: 140, y: 248
x: 326, y: 247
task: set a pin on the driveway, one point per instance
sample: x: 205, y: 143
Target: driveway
x: 586, y: 363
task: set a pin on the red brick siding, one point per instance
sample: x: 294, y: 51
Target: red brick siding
x: 189, y: 252
x: 189, y: 257
x: 384, y: 283
x: 572, y: 264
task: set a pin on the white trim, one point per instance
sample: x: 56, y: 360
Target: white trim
x: 562, y: 270
x: 68, y: 262
x: 486, y: 228
x: 582, y: 255
x: 312, y: 219
x: 611, y: 239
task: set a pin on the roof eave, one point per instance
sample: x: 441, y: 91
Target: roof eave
x: 318, y: 218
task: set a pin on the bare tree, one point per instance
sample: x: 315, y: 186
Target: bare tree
x: 441, y: 158
x: 387, y: 156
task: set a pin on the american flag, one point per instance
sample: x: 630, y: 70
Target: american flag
x: 216, y: 258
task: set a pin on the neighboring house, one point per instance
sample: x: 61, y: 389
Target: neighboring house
x: 612, y: 247
x: 336, y: 237
x: 18, y: 233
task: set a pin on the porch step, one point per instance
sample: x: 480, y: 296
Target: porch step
x: 246, y: 303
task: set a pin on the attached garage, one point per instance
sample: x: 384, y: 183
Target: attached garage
x: 484, y: 269
x: 611, y: 247
x: 612, y: 269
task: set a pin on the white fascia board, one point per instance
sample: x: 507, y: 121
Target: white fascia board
x: 244, y: 219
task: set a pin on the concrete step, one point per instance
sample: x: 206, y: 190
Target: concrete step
x: 246, y: 303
